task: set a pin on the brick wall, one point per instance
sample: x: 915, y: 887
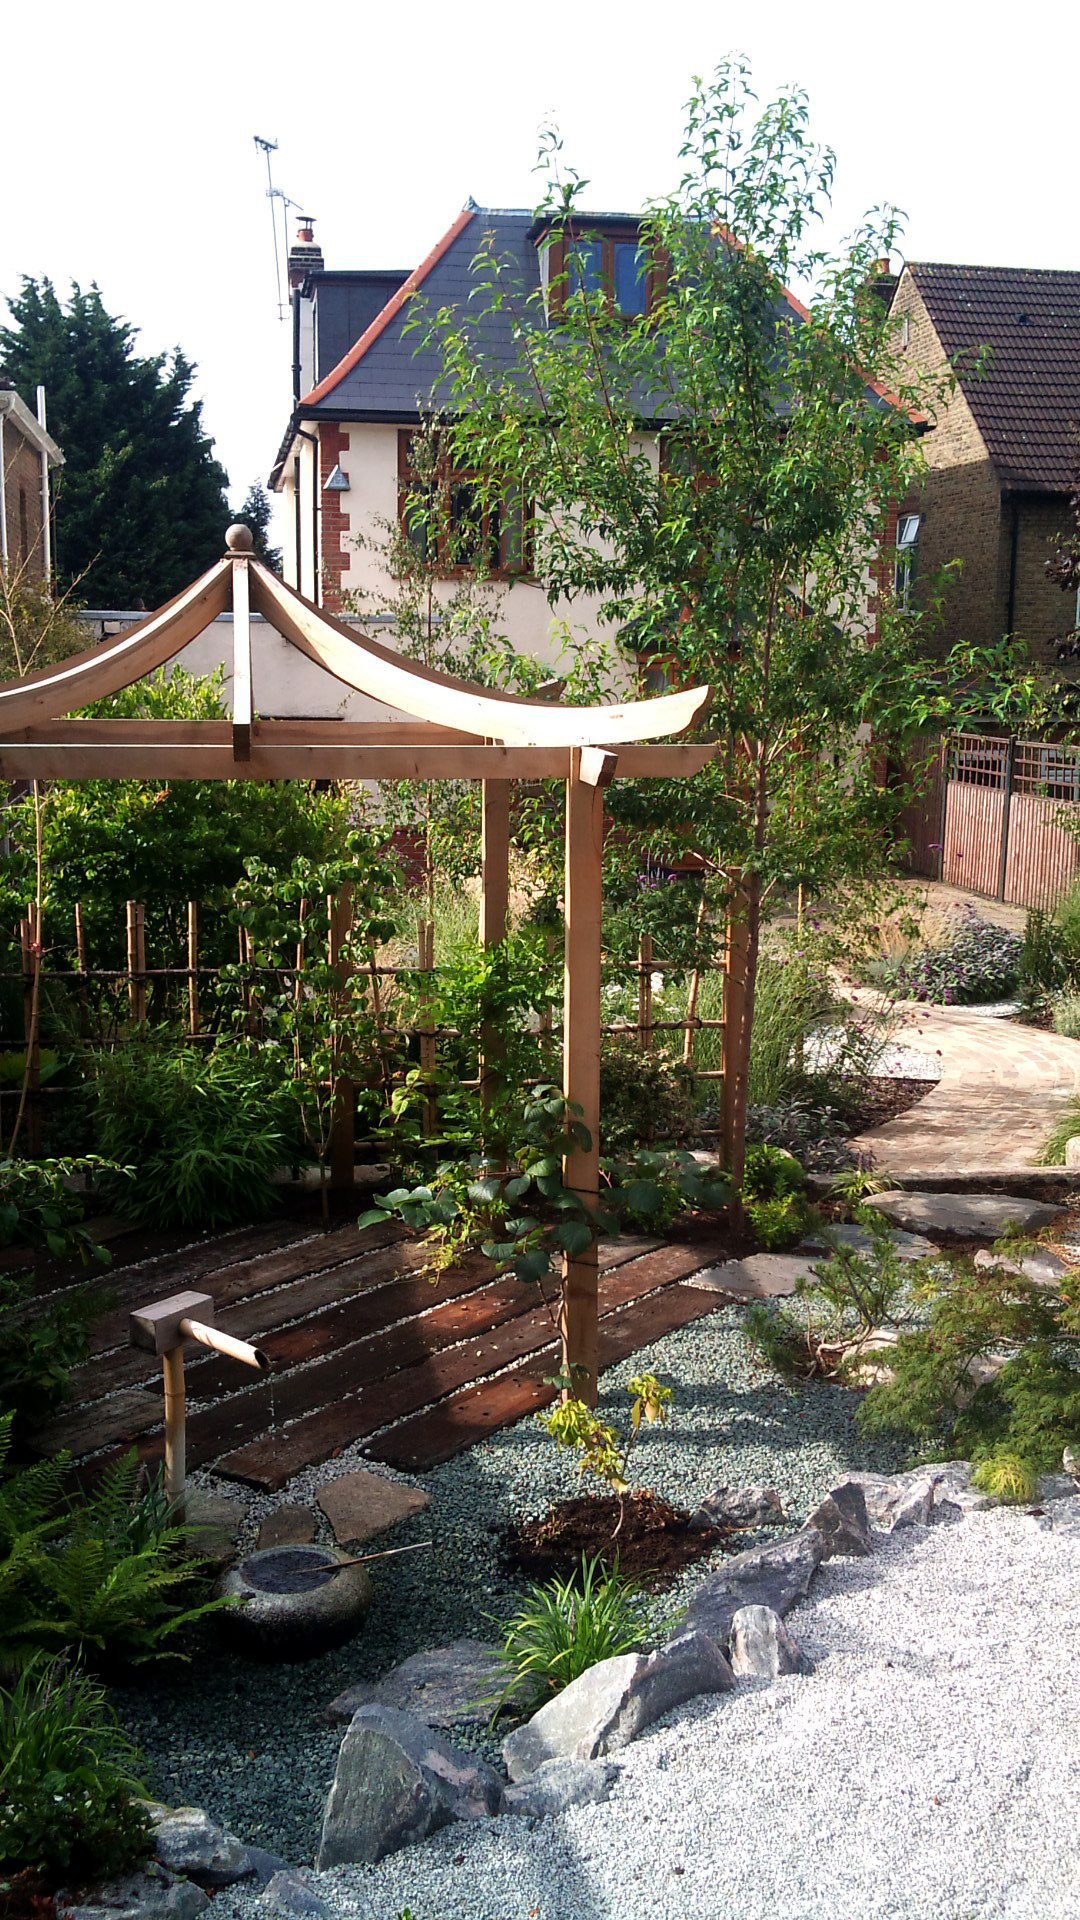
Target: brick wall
x: 960, y: 497
x: 333, y: 512
x: 1043, y: 614
x: 22, y: 489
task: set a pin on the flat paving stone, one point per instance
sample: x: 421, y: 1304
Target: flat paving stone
x: 760, y: 1276
x: 288, y: 1527
x: 216, y: 1520
x: 360, y: 1505
x: 963, y: 1214
x: 906, y: 1246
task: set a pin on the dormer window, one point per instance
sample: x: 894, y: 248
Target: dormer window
x: 608, y: 264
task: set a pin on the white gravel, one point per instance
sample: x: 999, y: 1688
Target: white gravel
x: 929, y: 1769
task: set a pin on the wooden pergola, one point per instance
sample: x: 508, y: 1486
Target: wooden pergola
x: 451, y: 731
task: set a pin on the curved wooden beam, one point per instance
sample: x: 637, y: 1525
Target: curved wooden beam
x: 54, y: 691
x: 411, y: 688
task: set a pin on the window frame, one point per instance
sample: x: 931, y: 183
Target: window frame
x: 560, y: 247
x: 449, y: 569
x: 905, y: 560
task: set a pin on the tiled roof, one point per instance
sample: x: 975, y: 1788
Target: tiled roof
x: 1026, y: 402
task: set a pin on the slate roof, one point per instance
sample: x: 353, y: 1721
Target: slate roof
x: 1026, y: 402
x: 387, y: 375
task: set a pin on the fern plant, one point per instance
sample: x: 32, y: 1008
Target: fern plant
x: 93, y: 1578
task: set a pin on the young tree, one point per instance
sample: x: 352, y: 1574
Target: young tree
x: 141, y: 505
x: 257, y: 513
x: 716, y: 462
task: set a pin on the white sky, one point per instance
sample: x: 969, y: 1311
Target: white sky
x: 127, y: 153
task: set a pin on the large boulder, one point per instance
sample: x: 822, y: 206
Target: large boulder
x: 762, y: 1648
x: 776, y: 1576
x: 610, y: 1704
x: 395, y: 1783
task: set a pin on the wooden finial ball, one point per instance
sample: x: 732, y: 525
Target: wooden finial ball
x: 238, y: 538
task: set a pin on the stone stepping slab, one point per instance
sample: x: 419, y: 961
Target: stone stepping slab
x: 760, y: 1276
x: 963, y: 1215
x: 407, y: 1397
x: 443, y: 1686
x: 906, y: 1246
x: 361, y: 1505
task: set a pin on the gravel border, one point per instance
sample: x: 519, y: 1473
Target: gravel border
x: 247, y: 1742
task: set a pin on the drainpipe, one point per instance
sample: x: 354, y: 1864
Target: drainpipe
x: 312, y: 440
x: 46, y: 517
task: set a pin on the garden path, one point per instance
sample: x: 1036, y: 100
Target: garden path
x: 1003, y: 1087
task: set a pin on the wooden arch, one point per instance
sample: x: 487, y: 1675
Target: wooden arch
x: 449, y: 730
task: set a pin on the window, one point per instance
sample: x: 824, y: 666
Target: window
x: 446, y: 518
x: 907, y: 534
x: 614, y: 265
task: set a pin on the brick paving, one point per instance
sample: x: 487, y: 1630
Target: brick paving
x: 1003, y: 1087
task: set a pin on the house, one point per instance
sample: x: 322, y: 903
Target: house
x: 362, y: 383
x: 1003, y: 454
x: 28, y: 456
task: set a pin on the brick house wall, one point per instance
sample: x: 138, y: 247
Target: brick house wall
x: 22, y: 502
x: 965, y: 516
x: 333, y: 513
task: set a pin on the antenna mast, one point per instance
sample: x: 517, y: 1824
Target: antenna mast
x: 274, y: 195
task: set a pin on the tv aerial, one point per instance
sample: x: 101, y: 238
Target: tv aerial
x: 277, y: 197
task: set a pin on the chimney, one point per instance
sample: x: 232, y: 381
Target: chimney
x: 883, y: 281
x: 305, y: 255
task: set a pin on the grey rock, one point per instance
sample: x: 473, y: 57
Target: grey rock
x: 186, y: 1840
x: 762, y: 1648
x: 264, y: 1865
x: 738, y: 1507
x: 953, y: 1491
x: 560, y: 1784
x: 443, y: 1687
x: 906, y: 1500
x: 1042, y: 1267
x: 906, y: 1246
x: 1056, y: 1486
x: 216, y: 1521
x: 964, y: 1214
x: 610, y: 1704
x: 776, y: 1576
x: 841, y: 1519
x: 395, y: 1783
x: 760, y: 1276
x: 152, y: 1894
x: 290, y: 1895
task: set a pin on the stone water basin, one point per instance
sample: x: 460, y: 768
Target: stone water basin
x: 289, y: 1606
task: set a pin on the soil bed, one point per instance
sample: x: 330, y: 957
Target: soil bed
x: 653, y: 1544
x: 885, y: 1100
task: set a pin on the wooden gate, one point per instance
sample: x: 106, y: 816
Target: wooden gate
x: 1000, y: 818
x: 976, y: 783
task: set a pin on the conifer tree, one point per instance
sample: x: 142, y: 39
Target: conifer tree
x: 140, y: 501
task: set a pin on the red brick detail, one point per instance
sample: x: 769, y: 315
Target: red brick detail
x: 333, y: 513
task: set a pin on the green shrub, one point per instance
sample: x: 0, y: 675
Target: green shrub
x: 1066, y: 1013
x: 789, y: 1001
x: 67, y: 1776
x: 566, y: 1626
x: 850, y: 1296
x: 203, y: 1132
x: 644, y: 1097
x: 973, y: 961
x: 1016, y: 1423
x: 1052, y: 1151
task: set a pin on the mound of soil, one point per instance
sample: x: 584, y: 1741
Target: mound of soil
x: 653, y: 1544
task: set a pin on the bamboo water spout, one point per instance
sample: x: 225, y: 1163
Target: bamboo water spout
x: 163, y: 1327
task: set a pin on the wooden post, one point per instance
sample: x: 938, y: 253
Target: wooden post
x: 736, y: 954
x: 193, y: 966
x: 644, y: 993
x: 84, y: 982
x: 30, y: 943
x: 494, y: 907
x: 425, y: 961
x: 342, y: 1129
x: 581, y: 1059
x: 136, y: 963
x: 172, y: 1367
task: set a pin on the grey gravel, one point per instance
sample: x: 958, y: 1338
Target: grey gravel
x: 248, y: 1742
x: 927, y: 1770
